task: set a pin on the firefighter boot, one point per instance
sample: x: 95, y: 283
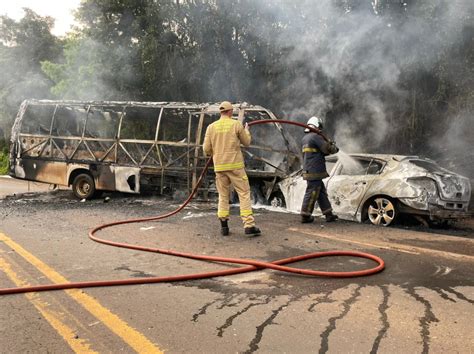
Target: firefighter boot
x: 252, y: 231
x: 330, y: 217
x: 224, y: 228
x: 305, y: 219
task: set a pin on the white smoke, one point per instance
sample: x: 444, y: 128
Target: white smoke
x: 361, y: 53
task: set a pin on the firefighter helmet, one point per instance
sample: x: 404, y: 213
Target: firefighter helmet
x: 314, y: 122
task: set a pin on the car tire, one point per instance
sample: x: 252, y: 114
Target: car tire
x: 83, y: 186
x: 277, y: 200
x: 382, y: 211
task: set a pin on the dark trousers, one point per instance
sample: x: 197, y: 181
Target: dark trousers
x: 315, y: 192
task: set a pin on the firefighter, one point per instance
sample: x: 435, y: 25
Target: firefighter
x: 315, y: 148
x: 222, y: 142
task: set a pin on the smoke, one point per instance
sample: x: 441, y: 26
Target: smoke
x: 454, y: 148
x: 23, y: 44
x: 349, y: 61
x: 15, y: 89
x: 90, y: 72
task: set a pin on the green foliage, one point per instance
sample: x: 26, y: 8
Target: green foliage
x: 3, y: 157
x: 78, y: 76
x: 23, y: 45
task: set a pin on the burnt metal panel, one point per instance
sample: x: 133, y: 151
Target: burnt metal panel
x: 42, y: 171
x: 127, y: 179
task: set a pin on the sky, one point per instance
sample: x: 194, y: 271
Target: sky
x: 60, y: 10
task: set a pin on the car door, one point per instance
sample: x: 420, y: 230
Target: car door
x: 348, y: 184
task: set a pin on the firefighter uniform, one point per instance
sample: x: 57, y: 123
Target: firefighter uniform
x: 222, y: 142
x: 315, y: 148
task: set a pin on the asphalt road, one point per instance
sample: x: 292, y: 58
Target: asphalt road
x: 421, y: 303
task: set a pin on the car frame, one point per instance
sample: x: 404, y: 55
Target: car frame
x: 381, y: 187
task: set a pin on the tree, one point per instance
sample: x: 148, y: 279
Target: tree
x: 24, y: 45
x: 381, y: 71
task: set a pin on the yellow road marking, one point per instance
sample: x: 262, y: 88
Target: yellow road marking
x: 54, y: 318
x: 385, y: 245
x: 131, y: 336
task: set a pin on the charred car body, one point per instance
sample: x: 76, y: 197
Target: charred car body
x: 127, y: 146
x: 380, y: 187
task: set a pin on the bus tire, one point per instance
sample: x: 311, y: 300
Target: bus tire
x: 83, y: 186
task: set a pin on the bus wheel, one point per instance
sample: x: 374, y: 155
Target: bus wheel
x: 83, y: 186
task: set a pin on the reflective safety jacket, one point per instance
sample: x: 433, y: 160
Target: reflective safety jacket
x: 222, y: 142
x: 315, y: 148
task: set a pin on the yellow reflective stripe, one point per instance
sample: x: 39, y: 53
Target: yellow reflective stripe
x: 229, y: 166
x: 222, y: 213
x: 310, y: 150
x: 246, y: 212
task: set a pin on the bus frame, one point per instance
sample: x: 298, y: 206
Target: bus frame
x: 97, y: 146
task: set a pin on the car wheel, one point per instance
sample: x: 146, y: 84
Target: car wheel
x: 83, y: 186
x: 382, y: 211
x: 277, y: 200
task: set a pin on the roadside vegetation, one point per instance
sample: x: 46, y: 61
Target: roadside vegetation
x: 3, y: 158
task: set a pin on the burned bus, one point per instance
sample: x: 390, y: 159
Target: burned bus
x: 132, y: 146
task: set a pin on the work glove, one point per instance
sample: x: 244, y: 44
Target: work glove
x: 332, y: 148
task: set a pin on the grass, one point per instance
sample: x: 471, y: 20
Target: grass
x: 3, y: 161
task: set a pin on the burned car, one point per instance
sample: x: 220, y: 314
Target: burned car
x: 97, y: 146
x: 380, y: 187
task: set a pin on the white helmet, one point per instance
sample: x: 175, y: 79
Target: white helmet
x: 315, y: 122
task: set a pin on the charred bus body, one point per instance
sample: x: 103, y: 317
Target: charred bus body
x: 129, y: 146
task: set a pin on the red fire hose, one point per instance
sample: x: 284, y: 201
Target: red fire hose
x: 251, y: 265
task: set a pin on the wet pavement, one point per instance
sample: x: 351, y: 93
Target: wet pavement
x: 422, y: 302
